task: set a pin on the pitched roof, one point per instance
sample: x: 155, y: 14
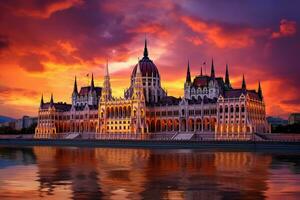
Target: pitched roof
x: 85, y: 90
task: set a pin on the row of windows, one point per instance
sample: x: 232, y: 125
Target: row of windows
x: 233, y: 122
x: 237, y: 116
x: 118, y: 122
x: 67, y: 117
x: 237, y: 109
x: 118, y: 127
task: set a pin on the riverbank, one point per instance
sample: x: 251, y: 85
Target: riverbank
x: 219, y: 145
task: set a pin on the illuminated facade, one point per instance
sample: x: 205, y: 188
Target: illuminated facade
x: 210, y: 109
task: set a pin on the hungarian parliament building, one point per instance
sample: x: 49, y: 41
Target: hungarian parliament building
x: 211, y: 109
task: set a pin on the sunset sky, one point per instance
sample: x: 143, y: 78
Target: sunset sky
x: 44, y: 44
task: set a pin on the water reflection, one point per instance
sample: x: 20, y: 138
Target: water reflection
x: 95, y: 173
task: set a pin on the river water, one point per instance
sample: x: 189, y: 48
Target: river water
x: 112, y: 173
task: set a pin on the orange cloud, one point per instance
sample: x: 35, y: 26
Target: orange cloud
x: 286, y: 29
x: 195, y: 40
x: 219, y: 36
x: 47, y: 10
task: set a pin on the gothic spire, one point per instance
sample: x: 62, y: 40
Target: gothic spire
x: 244, y: 83
x: 42, y: 101
x: 259, y: 90
x: 106, y: 90
x: 212, y: 71
x: 138, y: 70
x: 92, y: 83
x: 145, y: 50
x: 188, y: 73
x: 201, y: 74
x: 106, y: 73
x: 75, y: 90
x: 51, y: 100
x: 138, y: 84
x: 227, y: 80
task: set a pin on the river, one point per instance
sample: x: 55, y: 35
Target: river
x: 116, y: 173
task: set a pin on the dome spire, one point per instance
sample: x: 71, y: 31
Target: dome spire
x: 145, y: 49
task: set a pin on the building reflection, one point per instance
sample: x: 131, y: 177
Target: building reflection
x: 72, y: 167
x: 151, y: 174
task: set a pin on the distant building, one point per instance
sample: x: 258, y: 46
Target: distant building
x: 294, y: 118
x: 19, y: 124
x: 276, y: 121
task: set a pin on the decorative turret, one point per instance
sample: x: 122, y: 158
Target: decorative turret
x: 244, y: 83
x: 42, y: 101
x: 212, y: 71
x: 75, y: 90
x: 227, y: 80
x: 188, y: 74
x: 259, y: 91
x: 138, y: 92
x: 106, y: 91
x: 145, y: 50
x: 201, y: 74
x: 92, y: 83
x: 51, y: 100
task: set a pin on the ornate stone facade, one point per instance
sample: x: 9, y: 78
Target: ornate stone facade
x: 210, y: 109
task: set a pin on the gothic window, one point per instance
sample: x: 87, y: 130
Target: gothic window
x: 182, y: 112
x: 231, y: 109
x: 237, y: 108
x: 221, y: 109
x: 243, y: 108
x: 226, y: 109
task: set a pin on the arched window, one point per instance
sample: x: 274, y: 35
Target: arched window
x: 226, y: 109
x: 237, y: 108
x: 231, y: 109
x: 221, y: 109
x: 243, y: 108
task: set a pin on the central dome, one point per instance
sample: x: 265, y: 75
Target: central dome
x: 146, y: 65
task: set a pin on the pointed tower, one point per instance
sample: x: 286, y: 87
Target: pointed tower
x: 106, y: 90
x: 92, y: 83
x: 145, y: 49
x: 201, y: 74
x: 42, y: 101
x: 139, y: 103
x: 51, y: 100
x: 138, y: 92
x: 188, y: 74
x: 75, y: 92
x: 244, y: 83
x: 227, y: 80
x: 259, y: 91
x: 212, y: 71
